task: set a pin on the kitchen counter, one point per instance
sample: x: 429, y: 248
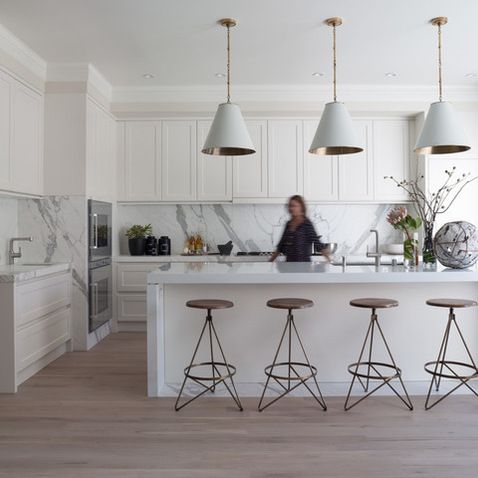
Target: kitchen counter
x: 300, y: 272
x: 23, y: 272
x: 332, y: 329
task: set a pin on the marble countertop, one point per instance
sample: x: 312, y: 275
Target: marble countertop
x: 23, y: 272
x: 300, y: 273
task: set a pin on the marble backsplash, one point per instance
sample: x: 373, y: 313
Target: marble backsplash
x: 257, y: 226
x: 9, y: 229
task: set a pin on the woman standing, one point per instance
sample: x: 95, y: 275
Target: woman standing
x: 299, y: 235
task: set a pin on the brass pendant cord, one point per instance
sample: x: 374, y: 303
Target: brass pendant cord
x: 440, y: 87
x: 228, y: 63
x: 335, y: 62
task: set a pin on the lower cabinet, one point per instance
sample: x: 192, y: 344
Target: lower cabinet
x: 131, y: 282
x: 35, y: 326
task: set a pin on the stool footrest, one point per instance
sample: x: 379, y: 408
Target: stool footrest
x: 270, y: 368
x: 215, y: 378
x: 354, y: 369
x: 432, y: 369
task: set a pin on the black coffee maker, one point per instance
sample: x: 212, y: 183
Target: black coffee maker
x: 164, y: 246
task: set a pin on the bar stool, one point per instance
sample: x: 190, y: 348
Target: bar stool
x: 372, y: 367
x: 216, y: 376
x: 292, y: 375
x: 436, y: 368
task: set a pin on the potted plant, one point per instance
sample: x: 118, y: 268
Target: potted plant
x: 136, y: 235
x: 402, y: 221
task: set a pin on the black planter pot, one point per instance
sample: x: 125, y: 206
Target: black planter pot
x: 137, y: 246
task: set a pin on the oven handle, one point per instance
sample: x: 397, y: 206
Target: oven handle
x: 95, y: 232
x: 94, y: 288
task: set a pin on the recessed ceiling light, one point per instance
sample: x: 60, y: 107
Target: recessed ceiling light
x: 471, y: 75
x: 390, y: 74
x: 219, y: 75
x: 317, y: 74
x: 148, y: 76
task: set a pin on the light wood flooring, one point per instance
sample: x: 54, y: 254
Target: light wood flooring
x: 86, y: 415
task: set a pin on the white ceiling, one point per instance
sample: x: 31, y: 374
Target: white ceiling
x: 280, y: 42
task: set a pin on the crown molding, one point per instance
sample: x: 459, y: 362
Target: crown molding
x: 22, y: 53
x: 291, y: 94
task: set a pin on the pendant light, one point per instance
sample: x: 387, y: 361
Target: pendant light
x: 335, y: 134
x: 228, y: 135
x: 442, y: 132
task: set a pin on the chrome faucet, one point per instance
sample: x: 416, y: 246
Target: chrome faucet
x: 12, y: 255
x: 375, y: 254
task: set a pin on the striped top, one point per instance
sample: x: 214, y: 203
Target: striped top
x: 296, y: 244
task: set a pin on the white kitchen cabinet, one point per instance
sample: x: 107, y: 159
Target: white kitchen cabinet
x: 26, y: 139
x: 5, y: 163
x: 250, y: 170
x: 320, y: 172
x: 142, y: 167
x: 391, y: 153
x: 100, y: 153
x: 356, y: 170
x: 285, y: 158
x: 178, y: 160
x: 214, y: 173
x: 35, y: 326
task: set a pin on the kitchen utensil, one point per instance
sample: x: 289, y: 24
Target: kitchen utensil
x: 225, y: 249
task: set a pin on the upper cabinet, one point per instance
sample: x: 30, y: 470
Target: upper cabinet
x: 142, y: 168
x: 355, y: 171
x: 5, y: 163
x: 285, y: 158
x: 162, y: 161
x: 250, y: 170
x: 178, y: 160
x: 214, y: 173
x: 100, y: 152
x: 320, y: 172
x: 391, y: 152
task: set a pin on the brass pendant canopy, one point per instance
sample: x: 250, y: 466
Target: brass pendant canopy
x: 442, y: 132
x: 335, y: 134
x: 228, y: 135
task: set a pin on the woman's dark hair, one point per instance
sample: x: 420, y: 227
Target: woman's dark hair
x: 301, y: 201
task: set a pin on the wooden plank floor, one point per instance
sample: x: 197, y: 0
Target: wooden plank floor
x: 86, y: 415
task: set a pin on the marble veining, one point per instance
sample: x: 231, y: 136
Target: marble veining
x: 9, y: 229
x: 257, y: 226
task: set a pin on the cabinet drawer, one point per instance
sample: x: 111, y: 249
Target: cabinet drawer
x: 39, y: 298
x: 133, y: 277
x: 131, y: 307
x: 41, y: 337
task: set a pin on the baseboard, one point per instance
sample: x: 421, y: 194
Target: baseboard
x: 131, y: 326
x: 330, y: 389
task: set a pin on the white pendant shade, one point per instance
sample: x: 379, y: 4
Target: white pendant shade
x: 228, y: 135
x: 442, y: 132
x: 335, y: 134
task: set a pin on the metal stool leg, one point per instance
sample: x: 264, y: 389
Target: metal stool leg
x: 301, y: 380
x: 442, y: 363
x: 369, y: 337
x: 216, y: 378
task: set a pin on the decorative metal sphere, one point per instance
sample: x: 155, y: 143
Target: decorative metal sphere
x: 456, y: 244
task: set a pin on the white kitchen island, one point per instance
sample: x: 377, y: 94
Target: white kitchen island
x: 333, y: 330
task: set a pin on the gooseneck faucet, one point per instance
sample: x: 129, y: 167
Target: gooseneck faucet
x: 375, y: 254
x: 12, y: 255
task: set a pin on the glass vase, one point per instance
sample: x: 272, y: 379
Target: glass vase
x: 428, y: 252
x: 410, y: 251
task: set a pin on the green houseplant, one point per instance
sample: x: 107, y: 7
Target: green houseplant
x: 136, y: 235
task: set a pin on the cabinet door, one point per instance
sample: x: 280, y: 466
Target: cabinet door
x: 285, y: 158
x: 5, y: 164
x: 178, y: 160
x: 320, y: 172
x: 26, y: 130
x: 356, y: 170
x: 142, y: 161
x: 250, y: 171
x: 391, y: 157
x: 214, y: 173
